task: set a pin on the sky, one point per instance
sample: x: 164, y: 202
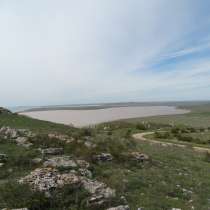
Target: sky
x: 92, y: 51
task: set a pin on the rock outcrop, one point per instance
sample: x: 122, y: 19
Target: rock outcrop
x: 47, y: 179
x: 4, y: 111
x: 100, y: 193
x: 20, y: 136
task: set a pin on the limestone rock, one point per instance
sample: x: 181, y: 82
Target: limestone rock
x: 60, y: 137
x: 15, y: 209
x: 103, y: 157
x: 36, y: 160
x: 52, y: 151
x: 140, y: 157
x: 61, y: 161
x: 99, y: 191
x: 46, y: 179
x: 83, y: 163
x: 85, y: 172
x: 120, y: 208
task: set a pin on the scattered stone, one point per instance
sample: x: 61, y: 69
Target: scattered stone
x: 140, y: 157
x: 46, y: 179
x: 52, y: 151
x: 99, y: 191
x: 1, y: 165
x: 62, y: 161
x: 36, y: 160
x: 89, y: 144
x: 23, y: 141
x: 85, y: 172
x: 15, y: 209
x: 83, y: 164
x: 103, y: 157
x: 120, y: 208
x: 60, y: 137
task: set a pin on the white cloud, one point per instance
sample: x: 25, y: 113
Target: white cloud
x: 54, y: 52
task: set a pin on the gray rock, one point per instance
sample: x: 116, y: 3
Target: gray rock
x: 103, y: 157
x: 52, y: 151
x: 85, y: 172
x: 36, y: 160
x: 99, y: 191
x: 1, y: 165
x: 60, y: 137
x: 46, y: 179
x: 83, y: 164
x: 120, y: 208
x: 15, y: 209
x: 61, y: 161
x: 140, y: 157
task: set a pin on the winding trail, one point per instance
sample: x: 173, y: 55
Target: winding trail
x: 141, y: 137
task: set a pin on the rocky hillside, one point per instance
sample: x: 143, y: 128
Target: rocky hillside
x: 49, y: 166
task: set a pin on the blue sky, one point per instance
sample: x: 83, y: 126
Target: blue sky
x: 90, y: 51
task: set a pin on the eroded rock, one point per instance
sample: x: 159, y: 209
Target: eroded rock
x: 99, y: 191
x: 46, y: 179
x: 61, y: 161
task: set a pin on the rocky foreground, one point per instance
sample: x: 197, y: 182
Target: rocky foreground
x: 77, y: 175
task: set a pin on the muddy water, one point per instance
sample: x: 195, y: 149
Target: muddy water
x: 81, y: 118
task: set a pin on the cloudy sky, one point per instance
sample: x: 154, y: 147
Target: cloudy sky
x: 85, y: 51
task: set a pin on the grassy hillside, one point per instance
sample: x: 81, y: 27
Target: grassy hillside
x: 198, y: 117
x: 171, y: 177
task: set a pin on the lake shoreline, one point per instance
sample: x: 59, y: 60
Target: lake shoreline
x: 82, y: 118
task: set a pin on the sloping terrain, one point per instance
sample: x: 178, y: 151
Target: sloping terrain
x: 52, y: 166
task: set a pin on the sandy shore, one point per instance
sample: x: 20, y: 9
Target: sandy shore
x: 81, y: 118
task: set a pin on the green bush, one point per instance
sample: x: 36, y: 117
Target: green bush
x: 141, y: 126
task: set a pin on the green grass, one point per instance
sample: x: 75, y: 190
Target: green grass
x: 173, y: 178
x: 198, y: 117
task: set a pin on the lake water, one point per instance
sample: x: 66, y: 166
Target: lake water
x: 81, y: 118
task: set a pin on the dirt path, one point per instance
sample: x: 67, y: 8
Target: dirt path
x: 141, y: 137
